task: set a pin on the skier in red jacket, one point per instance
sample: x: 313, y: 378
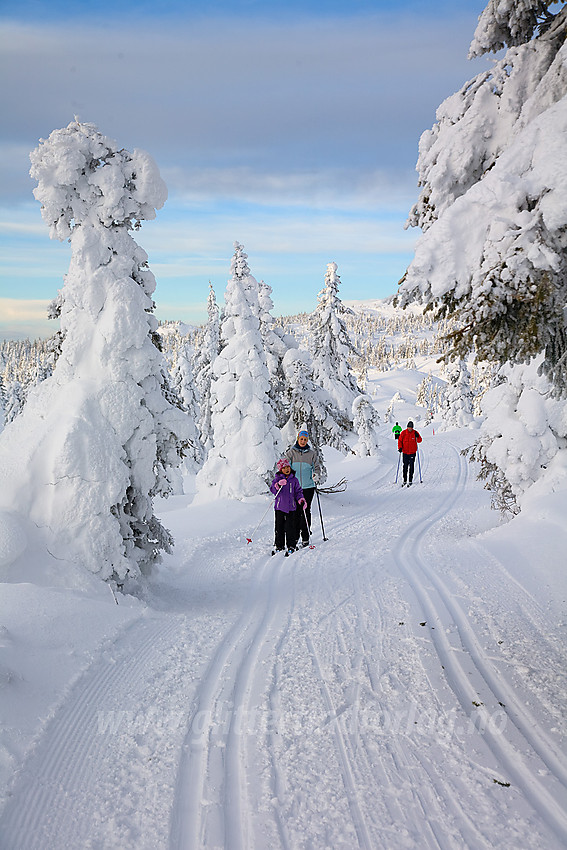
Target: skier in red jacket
x: 407, y: 444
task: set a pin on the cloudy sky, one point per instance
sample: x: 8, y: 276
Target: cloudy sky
x: 291, y: 127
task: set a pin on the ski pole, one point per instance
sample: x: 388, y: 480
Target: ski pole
x: 320, y: 514
x: 249, y: 539
x: 307, y: 525
x: 419, y: 465
x: 398, y: 469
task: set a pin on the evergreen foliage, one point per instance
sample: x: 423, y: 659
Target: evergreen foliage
x: 493, y: 207
x: 104, y: 438
x: 331, y: 345
x: 246, y: 441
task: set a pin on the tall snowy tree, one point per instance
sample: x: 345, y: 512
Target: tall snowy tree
x: 458, y: 397
x: 494, y: 201
x: 184, y: 385
x: 98, y: 439
x: 246, y: 441
x: 203, y: 360
x: 276, y: 345
x: 493, y: 208
x: 366, y: 421
x: 306, y: 401
x: 331, y: 344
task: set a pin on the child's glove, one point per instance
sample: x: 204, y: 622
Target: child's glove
x: 303, y: 502
x: 282, y: 482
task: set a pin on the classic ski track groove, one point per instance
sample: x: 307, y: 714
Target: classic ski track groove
x: 65, y: 758
x: 231, y: 668
x: 412, y: 565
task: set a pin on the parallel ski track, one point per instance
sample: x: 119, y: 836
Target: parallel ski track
x: 533, y: 738
x: 528, y: 734
x: 202, y: 782
x: 361, y: 770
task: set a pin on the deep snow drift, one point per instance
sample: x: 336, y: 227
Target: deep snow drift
x: 401, y: 685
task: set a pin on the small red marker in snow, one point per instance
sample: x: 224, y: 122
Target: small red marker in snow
x: 249, y: 540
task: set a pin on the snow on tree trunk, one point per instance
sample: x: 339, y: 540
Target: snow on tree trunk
x: 246, y: 441
x: 331, y: 345
x: 98, y: 440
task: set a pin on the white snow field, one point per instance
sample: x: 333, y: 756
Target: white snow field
x: 400, y: 685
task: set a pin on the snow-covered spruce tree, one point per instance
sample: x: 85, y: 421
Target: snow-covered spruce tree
x: 366, y: 420
x: 276, y: 345
x: 202, y: 365
x: 98, y: 439
x: 246, y: 441
x: 493, y: 206
x: 308, y: 402
x: 458, y: 397
x: 331, y: 345
x: 184, y: 386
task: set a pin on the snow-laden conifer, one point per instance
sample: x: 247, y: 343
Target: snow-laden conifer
x: 493, y: 256
x: 494, y: 199
x: 183, y: 383
x: 366, y: 421
x: 98, y: 439
x: 246, y: 441
x: 331, y: 345
x: 521, y: 437
x: 276, y: 345
x: 307, y: 402
x: 457, y: 406
x: 202, y: 365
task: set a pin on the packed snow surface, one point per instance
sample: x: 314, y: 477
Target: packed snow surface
x: 400, y: 685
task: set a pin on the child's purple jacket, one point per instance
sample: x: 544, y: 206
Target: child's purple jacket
x: 288, y: 495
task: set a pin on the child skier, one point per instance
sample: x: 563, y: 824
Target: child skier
x: 407, y: 445
x: 288, y: 494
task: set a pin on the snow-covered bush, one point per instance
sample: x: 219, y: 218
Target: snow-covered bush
x: 98, y: 439
x: 524, y: 429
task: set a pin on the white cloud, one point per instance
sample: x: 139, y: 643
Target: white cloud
x: 22, y: 310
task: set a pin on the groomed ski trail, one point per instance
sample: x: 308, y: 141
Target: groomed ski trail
x: 355, y: 695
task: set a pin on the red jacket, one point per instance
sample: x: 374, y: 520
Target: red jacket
x: 408, y: 440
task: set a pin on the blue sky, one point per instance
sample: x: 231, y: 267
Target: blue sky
x: 291, y: 127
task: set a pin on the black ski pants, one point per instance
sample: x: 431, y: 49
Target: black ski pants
x: 302, y: 525
x: 409, y: 461
x: 286, y: 530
